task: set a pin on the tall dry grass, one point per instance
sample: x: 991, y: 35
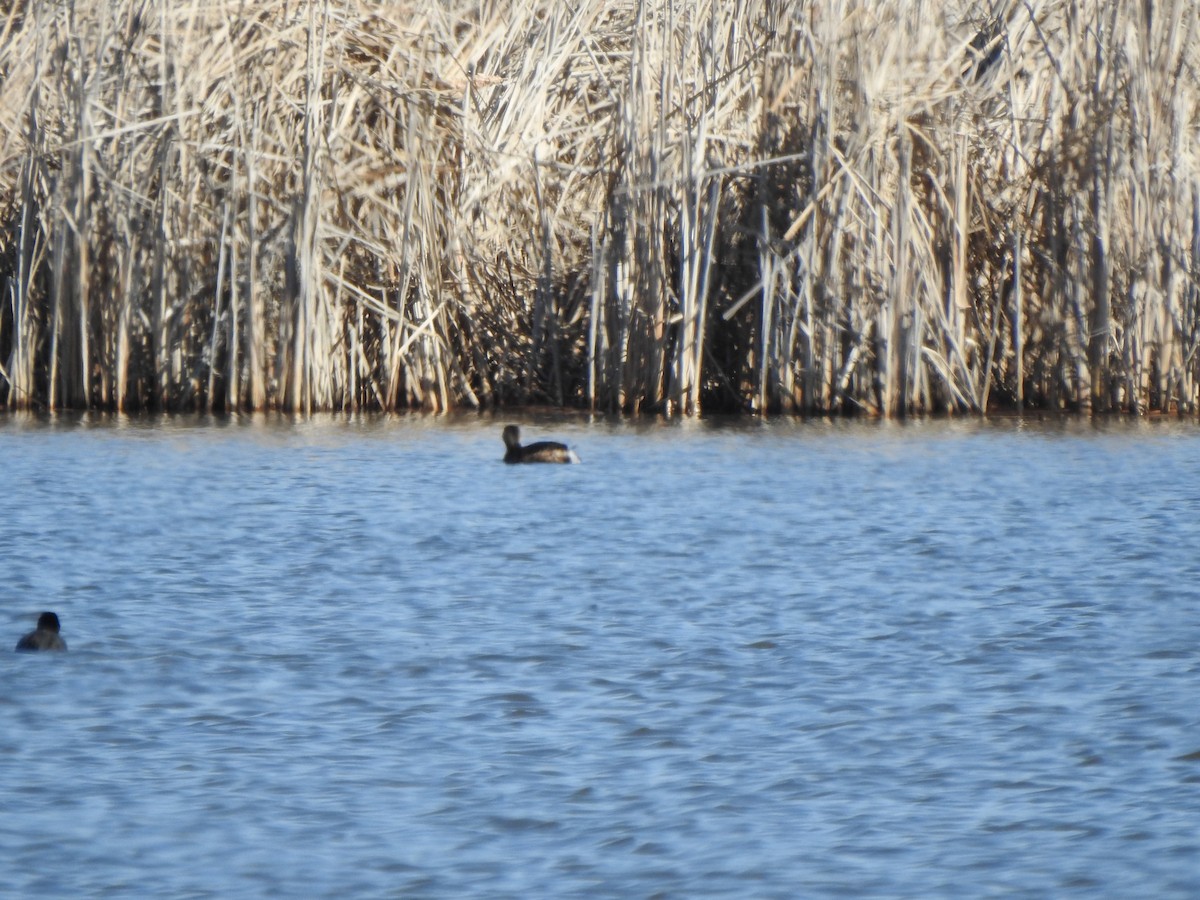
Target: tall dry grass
x: 880, y: 205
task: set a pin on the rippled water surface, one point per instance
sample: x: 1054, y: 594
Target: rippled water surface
x: 365, y: 658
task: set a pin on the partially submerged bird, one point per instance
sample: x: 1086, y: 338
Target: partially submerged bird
x: 45, y: 638
x: 541, y: 452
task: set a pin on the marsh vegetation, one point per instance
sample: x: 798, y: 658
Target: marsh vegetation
x: 880, y: 206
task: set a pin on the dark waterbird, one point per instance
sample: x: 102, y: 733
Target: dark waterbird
x: 45, y: 638
x: 540, y: 452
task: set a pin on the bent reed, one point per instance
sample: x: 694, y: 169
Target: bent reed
x: 878, y: 206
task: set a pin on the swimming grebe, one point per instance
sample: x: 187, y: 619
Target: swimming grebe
x: 45, y: 638
x: 541, y: 452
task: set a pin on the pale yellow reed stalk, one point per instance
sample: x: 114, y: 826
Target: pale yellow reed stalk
x: 665, y: 206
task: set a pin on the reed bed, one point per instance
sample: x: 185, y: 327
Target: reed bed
x: 876, y: 206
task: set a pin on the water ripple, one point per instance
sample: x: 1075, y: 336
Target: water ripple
x: 941, y: 660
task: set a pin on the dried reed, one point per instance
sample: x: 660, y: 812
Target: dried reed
x: 878, y: 206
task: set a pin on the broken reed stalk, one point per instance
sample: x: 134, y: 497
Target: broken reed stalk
x: 660, y: 206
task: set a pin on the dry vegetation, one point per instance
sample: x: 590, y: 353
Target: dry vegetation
x: 881, y: 206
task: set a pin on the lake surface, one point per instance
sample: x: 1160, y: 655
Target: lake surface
x: 364, y: 658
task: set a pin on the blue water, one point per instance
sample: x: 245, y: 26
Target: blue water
x: 365, y: 658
